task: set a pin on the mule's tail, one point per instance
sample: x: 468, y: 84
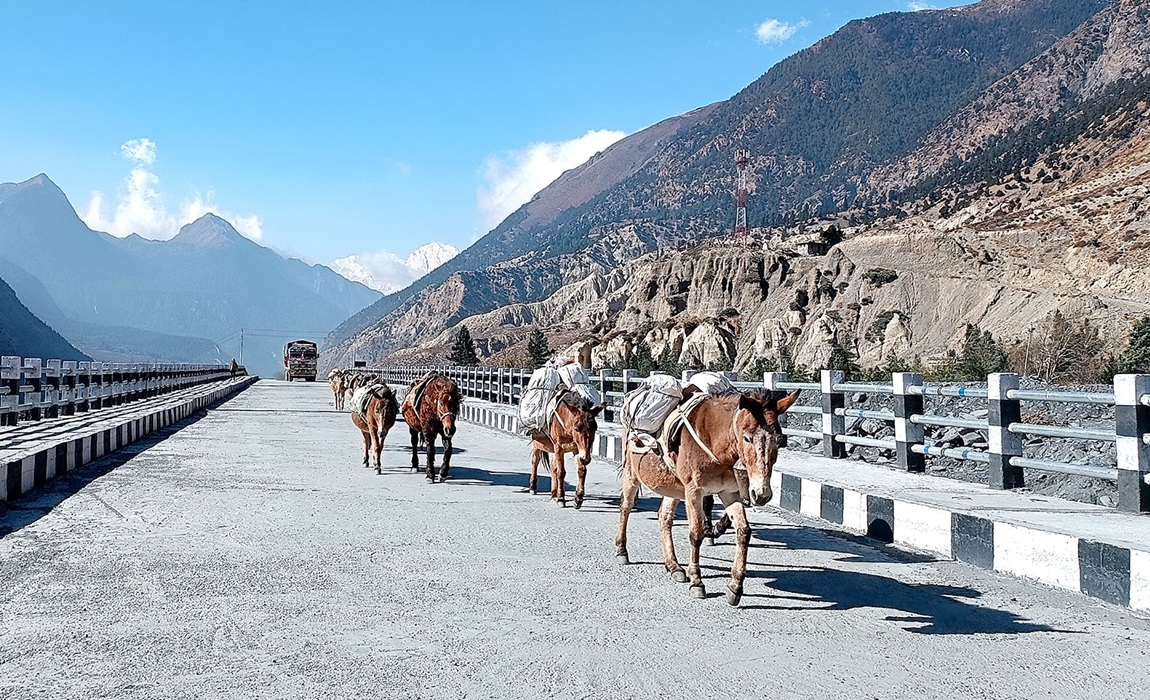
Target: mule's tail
x: 545, y: 459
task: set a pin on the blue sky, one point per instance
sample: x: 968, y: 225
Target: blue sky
x: 329, y: 129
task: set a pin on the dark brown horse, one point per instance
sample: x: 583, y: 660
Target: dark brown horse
x: 572, y: 430
x: 430, y: 409
x: 720, y: 433
x: 378, y: 416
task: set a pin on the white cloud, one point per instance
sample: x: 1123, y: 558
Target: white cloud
x: 386, y: 272
x: 917, y: 6
x: 513, y: 178
x: 773, y: 31
x: 141, y: 206
x: 139, y: 150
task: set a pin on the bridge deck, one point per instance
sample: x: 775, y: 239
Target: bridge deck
x: 249, y: 555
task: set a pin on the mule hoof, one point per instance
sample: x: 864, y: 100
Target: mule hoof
x: 698, y: 592
x: 430, y: 479
x: 711, y: 541
x: 622, y: 558
x: 679, y: 576
x: 578, y: 503
x: 733, y: 598
x: 533, y: 492
x: 378, y: 470
x: 562, y: 503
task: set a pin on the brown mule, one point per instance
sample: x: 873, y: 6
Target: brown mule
x: 430, y: 409
x: 338, y: 382
x: 743, y: 428
x: 572, y: 430
x: 375, y: 422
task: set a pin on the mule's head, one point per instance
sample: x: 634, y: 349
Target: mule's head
x: 577, y: 416
x: 447, y: 408
x: 758, y: 433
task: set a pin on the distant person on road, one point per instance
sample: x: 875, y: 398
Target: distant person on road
x: 235, y: 367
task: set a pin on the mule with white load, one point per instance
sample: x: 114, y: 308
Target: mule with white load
x: 689, y: 450
x: 558, y: 410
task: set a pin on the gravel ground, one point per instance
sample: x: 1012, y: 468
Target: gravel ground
x: 249, y: 555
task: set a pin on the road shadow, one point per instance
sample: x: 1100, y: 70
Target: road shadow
x: 28, y: 508
x: 933, y: 608
x: 474, y: 476
x: 854, y: 548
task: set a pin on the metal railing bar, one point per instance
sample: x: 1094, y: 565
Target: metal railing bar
x: 1059, y: 431
x: 950, y: 422
x: 1109, y: 473
x: 952, y: 452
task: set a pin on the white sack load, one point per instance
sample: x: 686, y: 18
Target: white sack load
x: 578, y: 381
x: 359, y: 399
x: 537, y: 401
x: 645, y: 408
x: 711, y: 383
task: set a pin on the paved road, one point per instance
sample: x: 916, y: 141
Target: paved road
x: 248, y: 555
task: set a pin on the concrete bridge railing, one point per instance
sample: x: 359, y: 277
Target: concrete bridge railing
x: 1003, y: 401
x: 35, y: 389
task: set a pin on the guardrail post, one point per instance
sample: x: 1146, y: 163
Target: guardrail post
x: 499, y: 389
x: 833, y: 424
x: 629, y: 380
x: 1003, y: 444
x: 10, y: 376
x: 906, y: 433
x: 771, y: 381
x: 609, y: 411
x: 1131, y: 424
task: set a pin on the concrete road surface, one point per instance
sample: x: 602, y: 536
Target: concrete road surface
x: 249, y: 555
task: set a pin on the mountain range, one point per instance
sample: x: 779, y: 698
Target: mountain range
x: 184, y: 299
x: 989, y: 157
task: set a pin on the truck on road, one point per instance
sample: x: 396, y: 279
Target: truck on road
x: 300, y: 359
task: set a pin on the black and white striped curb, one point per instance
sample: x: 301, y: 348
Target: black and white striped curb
x: 72, y: 449
x: 1112, y: 573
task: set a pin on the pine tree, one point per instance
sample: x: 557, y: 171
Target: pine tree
x: 980, y: 356
x: 1136, y: 358
x: 538, y: 351
x: 463, y: 349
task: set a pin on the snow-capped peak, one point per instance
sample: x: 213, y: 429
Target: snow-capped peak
x: 387, y: 272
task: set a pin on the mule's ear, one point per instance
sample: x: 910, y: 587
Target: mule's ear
x: 598, y: 409
x: 783, y: 404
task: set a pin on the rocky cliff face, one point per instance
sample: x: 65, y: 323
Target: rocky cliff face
x: 1023, y: 198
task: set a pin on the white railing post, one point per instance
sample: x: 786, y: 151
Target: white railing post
x: 833, y: 423
x: 907, y: 433
x: 1131, y: 424
x: 1003, y: 444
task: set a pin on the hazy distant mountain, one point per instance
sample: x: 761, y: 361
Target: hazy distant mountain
x: 387, y: 272
x: 21, y: 333
x: 816, y: 124
x: 207, y: 282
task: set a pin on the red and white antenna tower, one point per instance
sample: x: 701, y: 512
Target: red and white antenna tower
x: 742, y: 233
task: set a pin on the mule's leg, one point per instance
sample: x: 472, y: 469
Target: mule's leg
x: 533, y: 484
x: 366, y: 447
x: 708, y: 529
x: 414, y: 450
x: 630, y: 490
x: 579, y: 491
x: 694, y: 502
x: 738, y: 515
x: 429, y: 444
x: 443, y: 470
x: 559, y: 475
x: 377, y: 446
x: 666, y: 522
